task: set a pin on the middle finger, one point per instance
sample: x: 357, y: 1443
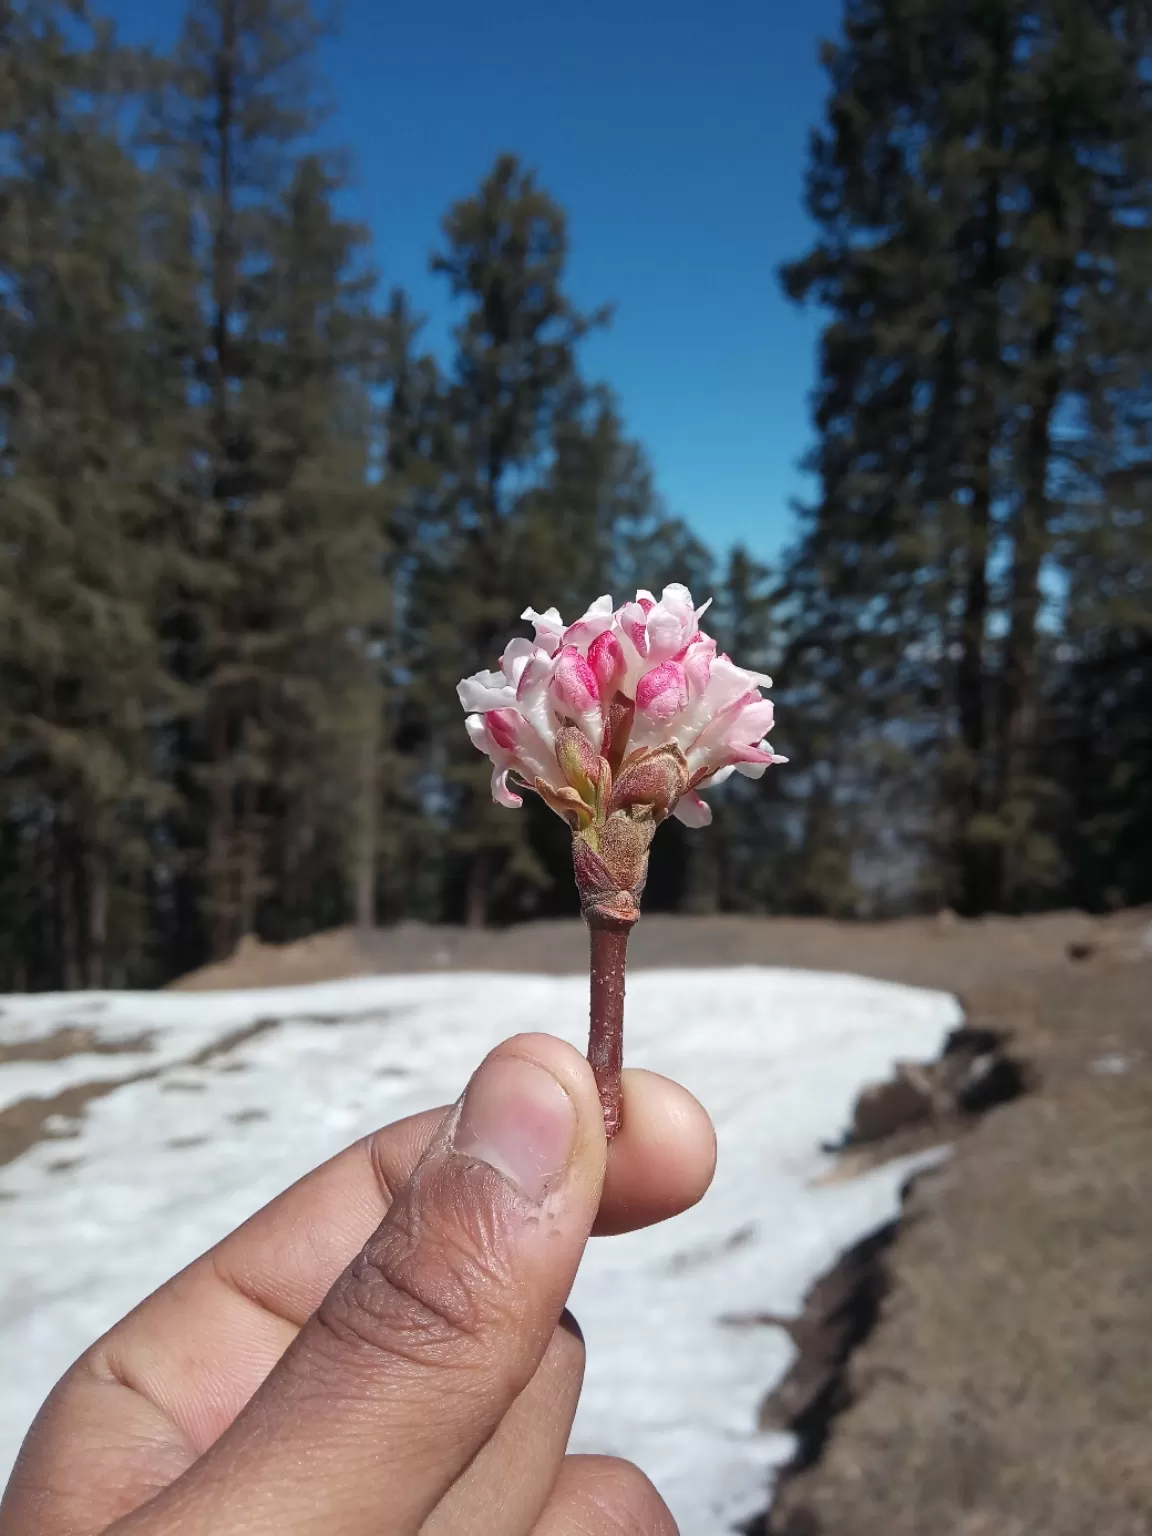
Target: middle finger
x: 507, y: 1486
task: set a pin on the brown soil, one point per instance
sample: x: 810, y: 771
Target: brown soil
x: 28, y: 1121
x: 71, y: 1040
x: 25, y: 1123
x: 938, y: 951
x: 1006, y: 1387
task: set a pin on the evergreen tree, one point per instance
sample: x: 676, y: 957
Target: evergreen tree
x: 80, y: 666
x: 974, y: 190
x: 1097, y: 725
x: 513, y: 382
x: 412, y: 806
x: 510, y: 481
x: 736, y: 864
x: 252, y: 535
x: 278, y: 520
x: 318, y: 558
x: 597, y: 525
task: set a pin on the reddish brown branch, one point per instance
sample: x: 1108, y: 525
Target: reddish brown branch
x: 609, y: 952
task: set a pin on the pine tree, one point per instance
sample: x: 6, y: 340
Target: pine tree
x: 510, y: 481
x: 1096, y: 726
x: 252, y: 535
x: 973, y: 189
x: 514, y: 379
x: 320, y: 555
x: 270, y: 296
x: 80, y: 666
x: 416, y: 437
x: 597, y: 525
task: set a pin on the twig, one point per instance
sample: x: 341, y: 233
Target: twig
x: 609, y: 951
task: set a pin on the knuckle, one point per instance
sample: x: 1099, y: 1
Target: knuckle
x: 424, y: 1290
x: 375, y: 1312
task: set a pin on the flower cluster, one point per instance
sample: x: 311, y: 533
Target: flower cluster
x: 635, y: 690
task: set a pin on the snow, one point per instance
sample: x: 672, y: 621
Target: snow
x: 159, y: 1168
x: 1113, y: 1065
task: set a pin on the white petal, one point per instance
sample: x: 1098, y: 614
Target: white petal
x: 478, y: 734
x: 665, y: 635
x: 756, y: 770
x: 484, y: 691
x: 692, y: 811
x: 517, y: 654
x: 726, y: 683
x: 549, y: 626
x: 591, y: 624
x: 535, y: 702
x: 600, y: 609
x: 502, y: 794
x: 677, y: 601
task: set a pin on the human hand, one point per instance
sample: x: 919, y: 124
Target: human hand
x: 383, y: 1350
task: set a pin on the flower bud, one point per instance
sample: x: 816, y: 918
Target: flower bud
x: 655, y: 779
x: 583, y: 767
x: 575, y: 683
x: 606, y: 658
x: 663, y: 692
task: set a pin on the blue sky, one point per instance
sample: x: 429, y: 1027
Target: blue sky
x: 674, y: 133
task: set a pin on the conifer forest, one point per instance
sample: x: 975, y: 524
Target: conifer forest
x: 253, y: 528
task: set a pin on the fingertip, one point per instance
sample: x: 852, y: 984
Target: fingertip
x: 663, y: 1158
x: 564, y: 1061
x: 580, y: 1187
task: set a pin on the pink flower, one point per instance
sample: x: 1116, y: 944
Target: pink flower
x: 640, y: 677
x: 576, y: 692
x: 662, y: 693
x: 658, y: 630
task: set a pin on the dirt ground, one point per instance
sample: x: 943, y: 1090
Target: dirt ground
x: 1006, y: 1387
x: 937, y: 951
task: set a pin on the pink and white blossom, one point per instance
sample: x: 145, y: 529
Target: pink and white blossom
x: 649, y: 655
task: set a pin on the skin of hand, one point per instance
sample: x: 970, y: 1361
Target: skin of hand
x: 384, y: 1350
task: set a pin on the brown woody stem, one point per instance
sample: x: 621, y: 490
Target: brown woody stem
x: 609, y: 953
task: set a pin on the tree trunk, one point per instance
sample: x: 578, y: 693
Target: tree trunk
x: 478, y: 895
x: 223, y: 853
x: 221, y: 840
x: 702, y: 898
x: 96, y: 880
x: 367, y: 816
x: 978, y: 862
x: 1018, y: 702
x: 68, y: 915
x: 975, y: 882
x: 250, y: 862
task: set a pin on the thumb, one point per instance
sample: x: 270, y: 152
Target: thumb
x: 421, y: 1346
